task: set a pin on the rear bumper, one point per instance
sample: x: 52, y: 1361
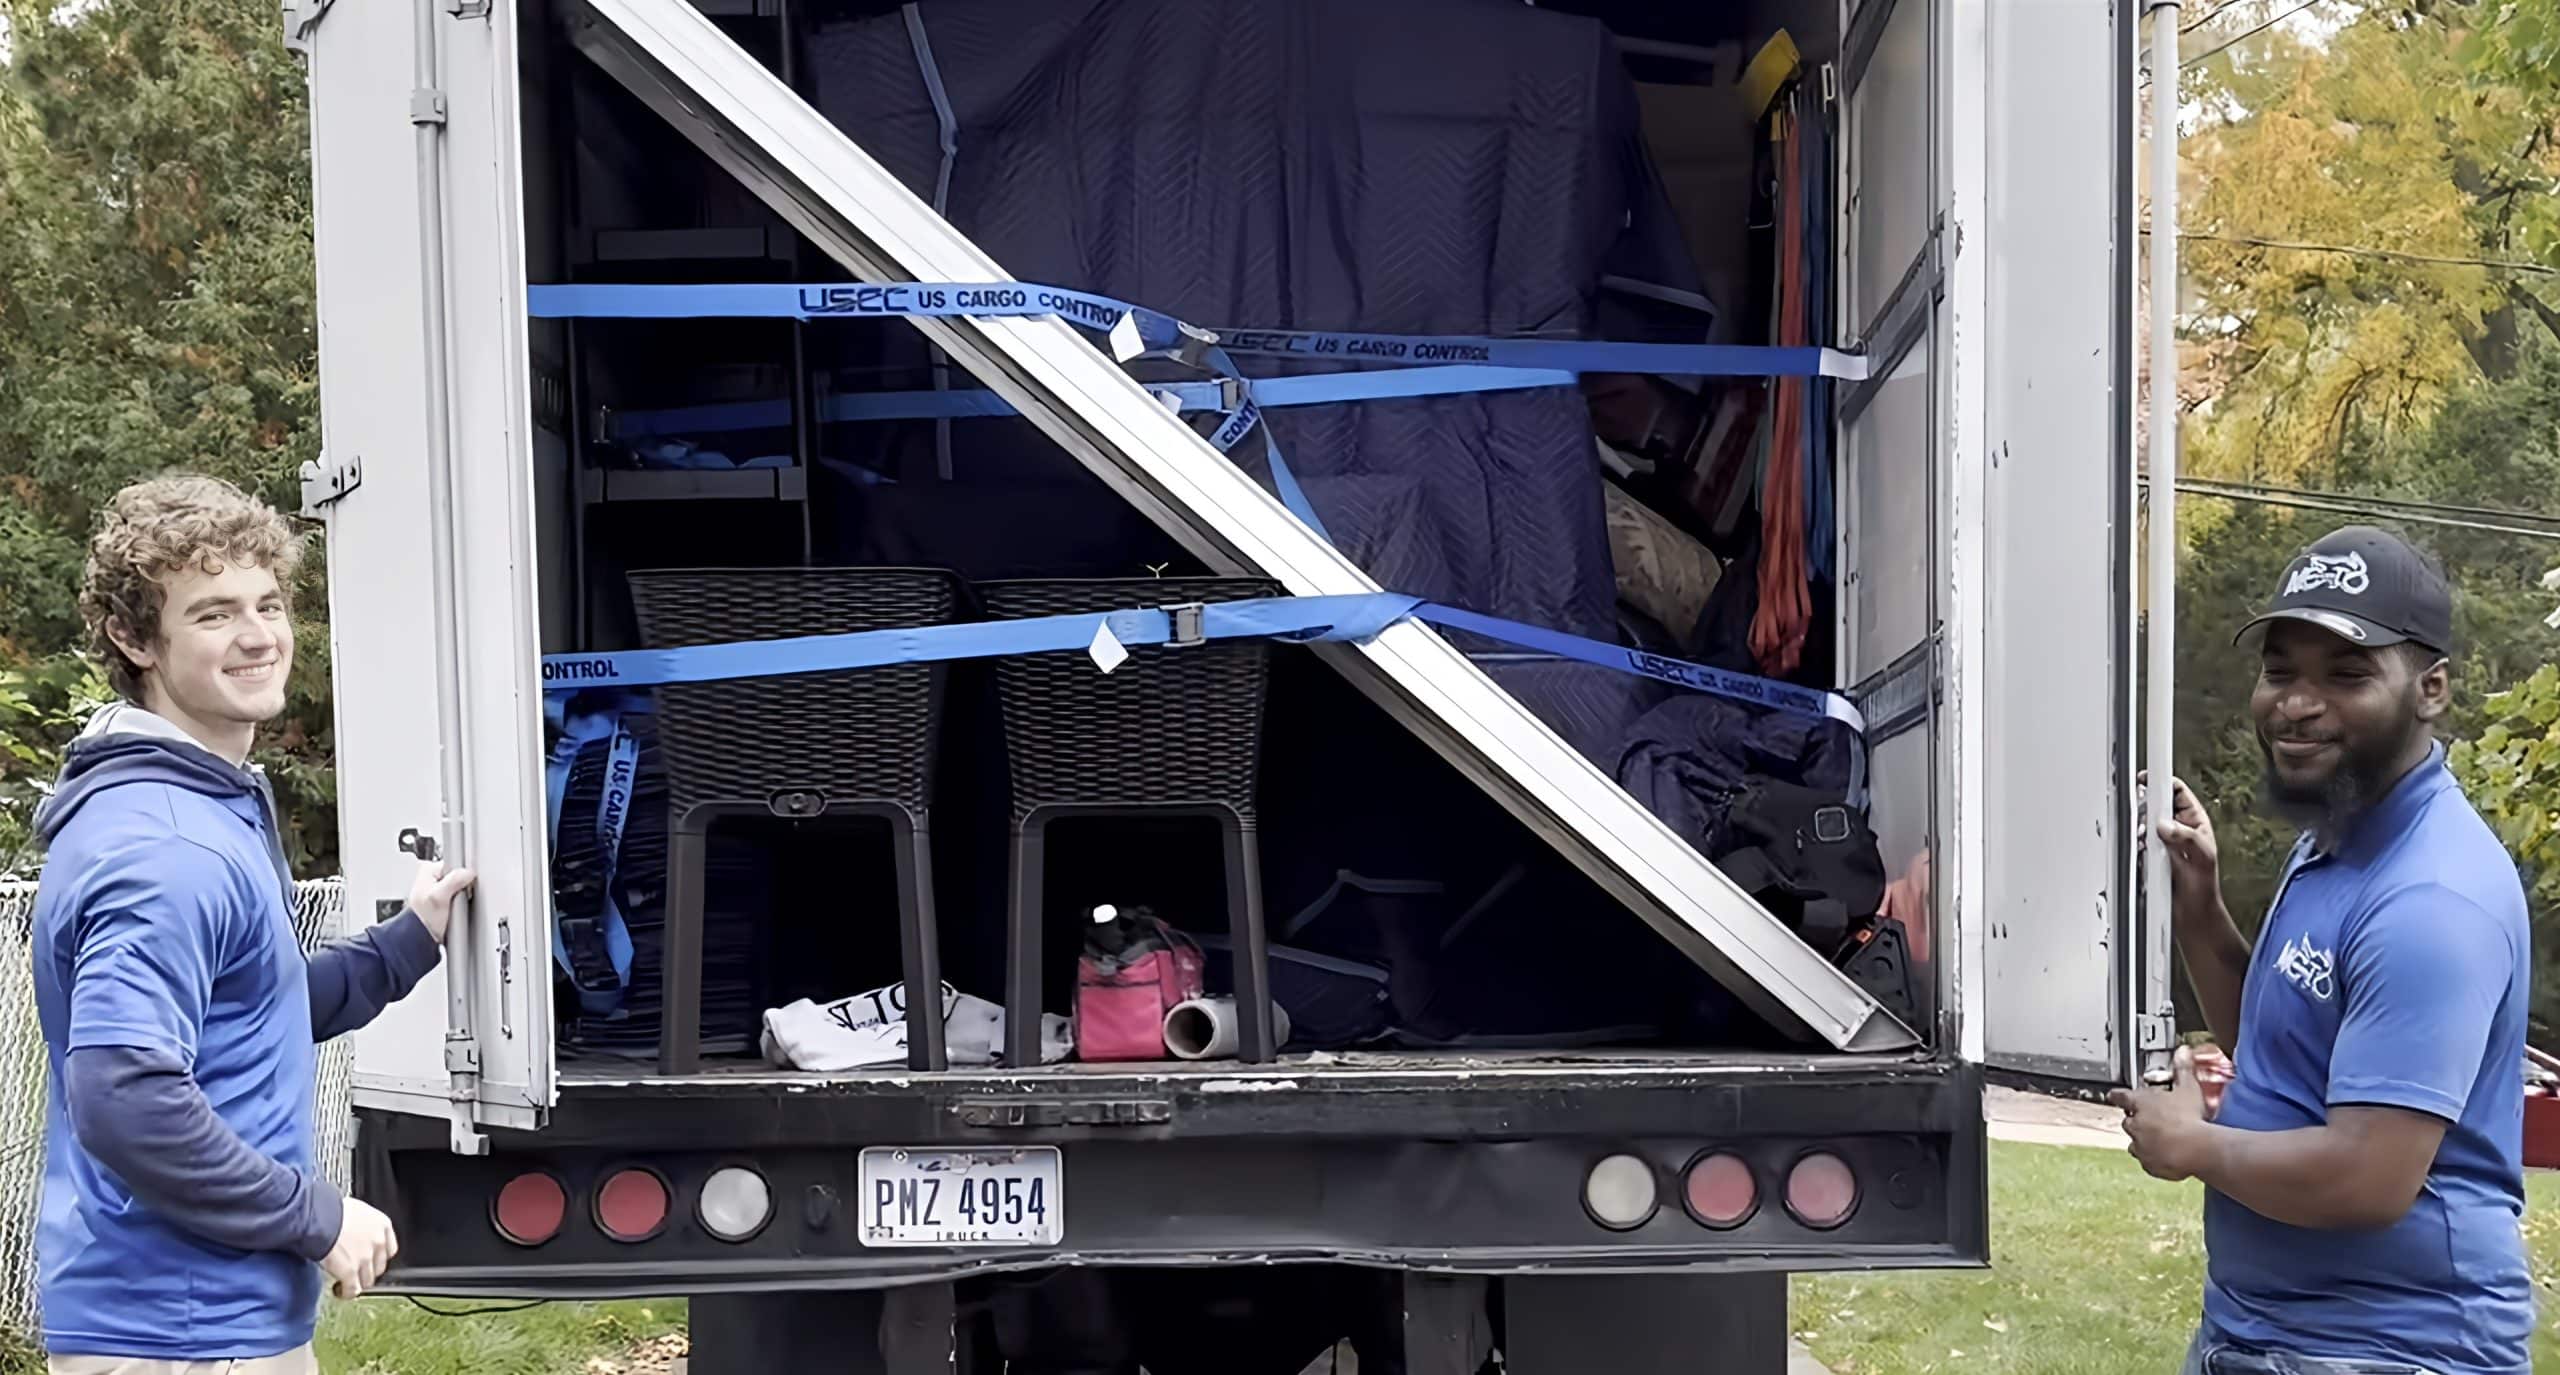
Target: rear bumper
x: 1450, y: 1167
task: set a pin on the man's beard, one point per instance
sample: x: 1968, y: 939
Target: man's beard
x: 2363, y: 774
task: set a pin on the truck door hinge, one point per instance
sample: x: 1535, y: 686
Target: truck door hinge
x: 426, y: 106
x: 2155, y: 1031
x: 467, y: 9
x: 1830, y: 85
x: 462, y: 1057
x: 327, y: 480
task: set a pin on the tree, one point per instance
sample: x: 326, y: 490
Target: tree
x: 2371, y: 139
x: 2512, y: 773
x: 2497, y: 445
x: 156, y: 313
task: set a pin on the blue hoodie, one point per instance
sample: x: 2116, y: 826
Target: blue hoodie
x: 183, y: 1210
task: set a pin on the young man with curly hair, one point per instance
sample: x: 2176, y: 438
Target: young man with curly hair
x: 185, y: 1218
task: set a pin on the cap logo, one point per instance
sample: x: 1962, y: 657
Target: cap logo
x: 2317, y: 572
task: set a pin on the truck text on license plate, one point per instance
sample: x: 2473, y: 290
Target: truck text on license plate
x: 1004, y: 1196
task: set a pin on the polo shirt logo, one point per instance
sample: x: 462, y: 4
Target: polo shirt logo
x: 2312, y: 971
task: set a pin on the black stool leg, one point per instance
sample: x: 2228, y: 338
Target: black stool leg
x: 680, y: 961
x: 1252, y: 949
x: 1022, y: 948
x: 919, y: 947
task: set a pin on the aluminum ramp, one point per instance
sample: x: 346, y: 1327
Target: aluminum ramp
x: 724, y: 100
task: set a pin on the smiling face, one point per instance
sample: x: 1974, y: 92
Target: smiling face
x: 183, y: 595
x: 216, y: 668
x: 2338, y: 722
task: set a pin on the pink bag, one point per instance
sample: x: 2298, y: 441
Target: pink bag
x: 1121, y: 1002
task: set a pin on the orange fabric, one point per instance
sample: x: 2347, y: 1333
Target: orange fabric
x: 1786, y: 604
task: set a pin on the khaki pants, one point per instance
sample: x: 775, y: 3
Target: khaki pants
x: 298, y: 1361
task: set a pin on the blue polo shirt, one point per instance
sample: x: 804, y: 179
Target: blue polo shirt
x: 2392, y: 972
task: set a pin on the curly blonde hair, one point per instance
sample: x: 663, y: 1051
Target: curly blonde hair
x: 153, y: 530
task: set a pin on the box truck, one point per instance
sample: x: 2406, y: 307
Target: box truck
x: 821, y: 334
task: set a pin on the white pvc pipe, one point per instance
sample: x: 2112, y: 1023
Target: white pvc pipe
x: 2161, y: 570
x: 1211, y: 1028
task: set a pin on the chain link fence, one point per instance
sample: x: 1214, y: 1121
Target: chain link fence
x: 319, y: 915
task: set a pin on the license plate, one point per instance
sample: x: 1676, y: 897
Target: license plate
x: 1010, y: 1196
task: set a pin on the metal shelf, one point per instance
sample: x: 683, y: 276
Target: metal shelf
x: 602, y: 486
x: 725, y: 243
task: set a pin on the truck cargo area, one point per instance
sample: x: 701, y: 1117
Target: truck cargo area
x: 813, y: 845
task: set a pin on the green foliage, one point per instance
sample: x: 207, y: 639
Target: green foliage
x: 2427, y: 127
x: 2494, y: 445
x: 2512, y: 773
x: 41, y: 708
x: 156, y: 314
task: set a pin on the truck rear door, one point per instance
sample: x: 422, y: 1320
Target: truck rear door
x: 1987, y: 271
x: 474, y: 1042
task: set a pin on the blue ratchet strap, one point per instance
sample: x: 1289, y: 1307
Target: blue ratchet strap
x: 594, y: 945
x: 1304, y: 620
x: 1569, y: 355
x: 1300, y: 619
x: 613, y: 811
x: 1144, y: 335
x: 1136, y: 332
x: 1270, y: 393
x: 1742, y: 687
x: 815, y: 301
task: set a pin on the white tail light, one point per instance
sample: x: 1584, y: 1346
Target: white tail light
x: 1620, y: 1193
x: 736, y: 1203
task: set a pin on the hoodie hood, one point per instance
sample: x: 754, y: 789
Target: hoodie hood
x: 125, y: 744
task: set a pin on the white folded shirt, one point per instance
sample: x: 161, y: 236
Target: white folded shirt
x: 870, y: 1029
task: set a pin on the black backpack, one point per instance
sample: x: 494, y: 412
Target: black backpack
x: 1806, y: 854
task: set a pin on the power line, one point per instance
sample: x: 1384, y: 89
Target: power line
x: 2241, y: 37
x: 2358, y: 251
x: 2401, y: 504
x: 2344, y: 503
x: 2246, y: 34
x: 2144, y: 58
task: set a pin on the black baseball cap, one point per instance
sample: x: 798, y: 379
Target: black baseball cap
x: 2368, y: 586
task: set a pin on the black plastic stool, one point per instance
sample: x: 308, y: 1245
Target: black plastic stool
x: 852, y: 743
x: 1175, y: 731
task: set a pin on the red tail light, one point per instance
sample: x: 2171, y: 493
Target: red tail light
x: 1720, y: 1191
x: 1822, y: 1191
x: 530, y: 1209
x: 632, y: 1205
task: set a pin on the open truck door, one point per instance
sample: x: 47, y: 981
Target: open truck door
x: 427, y: 409
x: 1970, y: 127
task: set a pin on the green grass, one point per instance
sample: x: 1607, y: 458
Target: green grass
x: 2096, y: 1270
x: 395, y: 1337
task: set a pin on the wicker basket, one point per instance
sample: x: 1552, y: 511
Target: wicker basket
x: 1169, y: 727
